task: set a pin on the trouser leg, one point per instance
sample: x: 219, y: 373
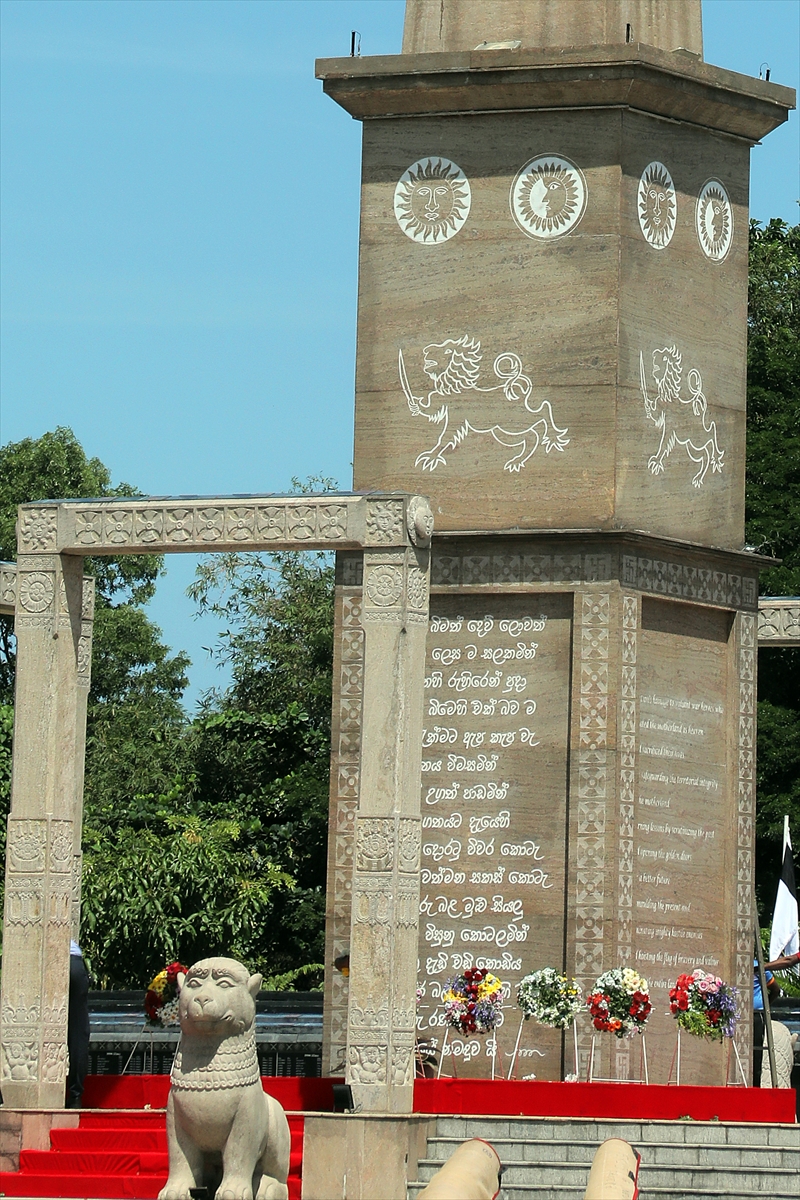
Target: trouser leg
x: 77, y: 1030
x: 758, y: 1045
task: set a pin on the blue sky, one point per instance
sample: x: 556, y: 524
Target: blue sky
x: 180, y: 231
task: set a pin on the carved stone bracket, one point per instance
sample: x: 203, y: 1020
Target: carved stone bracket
x: 779, y: 621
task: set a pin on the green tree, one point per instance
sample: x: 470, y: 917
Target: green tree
x: 134, y: 713
x: 179, y: 887
x: 137, y: 685
x: 263, y: 747
x: 773, y: 403
x: 135, y: 722
x: 200, y: 836
x: 773, y: 523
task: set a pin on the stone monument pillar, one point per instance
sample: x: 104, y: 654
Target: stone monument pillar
x: 551, y: 345
x: 385, y: 909
x: 42, y: 893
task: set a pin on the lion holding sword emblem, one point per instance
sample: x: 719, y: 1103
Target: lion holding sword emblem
x: 680, y: 422
x: 460, y: 406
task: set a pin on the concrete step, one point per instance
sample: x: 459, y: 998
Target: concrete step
x: 574, y: 1130
x: 550, y: 1158
x: 676, y: 1191
x: 658, y: 1153
x: 760, y: 1179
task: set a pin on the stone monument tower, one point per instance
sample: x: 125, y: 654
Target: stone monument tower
x: 551, y: 345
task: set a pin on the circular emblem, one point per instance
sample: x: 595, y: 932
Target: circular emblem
x: 432, y: 200
x: 385, y: 586
x: 374, y: 847
x: 548, y: 197
x: 36, y: 592
x: 657, y: 205
x: 714, y: 219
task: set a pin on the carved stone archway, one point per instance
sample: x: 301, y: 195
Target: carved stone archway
x: 52, y: 603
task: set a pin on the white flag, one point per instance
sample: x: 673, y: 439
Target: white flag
x: 784, y: 938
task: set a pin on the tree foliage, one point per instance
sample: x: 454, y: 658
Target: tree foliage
x: 180, y: 887
x: 773, y: 403
x: 773, y: 523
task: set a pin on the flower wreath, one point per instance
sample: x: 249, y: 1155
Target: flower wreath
x: 473, y: 1001
x: 550, y: 997
x: 703, y: 1005
x: 161, y: 997
x: 619, y: 1003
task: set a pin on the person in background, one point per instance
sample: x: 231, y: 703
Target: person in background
x: 77, y: 1026
x: 774, y: 991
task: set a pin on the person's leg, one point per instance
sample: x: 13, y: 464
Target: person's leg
x: 77, y: 1030
x: 758, y: 1045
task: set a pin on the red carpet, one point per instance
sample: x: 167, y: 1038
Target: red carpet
x: 622, y: 1101
x: 296, y: 1093
x: 110, y: 1155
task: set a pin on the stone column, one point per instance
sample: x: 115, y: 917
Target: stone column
x: 41, y: 829
x: 385, y: 908
x: 84, y: 680
x: 746, y: 649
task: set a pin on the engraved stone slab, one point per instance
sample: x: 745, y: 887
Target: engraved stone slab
x: 684, y: 828
x: 494, y: 810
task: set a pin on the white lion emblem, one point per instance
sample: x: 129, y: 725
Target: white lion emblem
x: 680, y: 421
x: 461, y: 406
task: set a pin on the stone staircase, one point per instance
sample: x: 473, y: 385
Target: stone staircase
x: 549, y: 1158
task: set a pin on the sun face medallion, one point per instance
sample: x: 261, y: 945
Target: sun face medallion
x: 657, y: 205
x: 714, y: 220
x: 548, y: 197
x: 432, y: 200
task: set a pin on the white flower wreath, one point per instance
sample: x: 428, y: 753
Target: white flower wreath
x: 550, y: 997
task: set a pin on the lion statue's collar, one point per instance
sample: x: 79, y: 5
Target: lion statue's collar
x: 234, y: 1064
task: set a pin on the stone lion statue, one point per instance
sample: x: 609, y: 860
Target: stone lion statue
x: 218, y: 1114
x: 784, y: 1041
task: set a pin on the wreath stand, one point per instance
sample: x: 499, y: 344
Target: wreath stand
x: 675, y: 1065
x: 453, y: 1060
x: 510, y: 1074
x: 728, y: 1081
x: 643, y: 1075
x: 441, y: 1057
x: 142, y: 1033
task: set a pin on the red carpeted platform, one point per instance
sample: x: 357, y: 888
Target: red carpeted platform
x: 295, y: 1092
x: 622, y: 1101
x: 115, y: 1154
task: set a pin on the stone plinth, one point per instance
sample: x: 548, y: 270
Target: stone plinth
x: 362, y: 1156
